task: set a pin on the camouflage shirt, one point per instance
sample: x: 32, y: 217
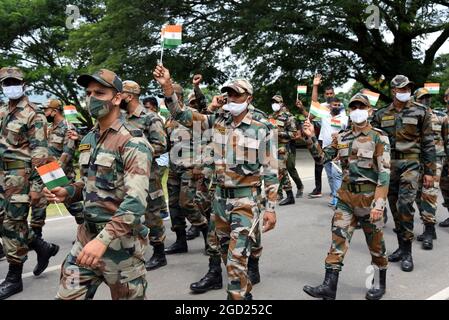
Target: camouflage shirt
x: 286, y: 125
x: 62, y: 147
x: 114, y: 184
x: 364, y: 156
x: 23, y: 136
x: 409, y: 131
x: 243, y: 154
x: 439, y: 119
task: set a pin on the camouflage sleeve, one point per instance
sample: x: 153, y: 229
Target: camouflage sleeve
x: 187, y: 117
x: 200, y: 97
x: 320, y: 155
x: 157, y: 136
x: 68, y: 150
x: 290, y: 128
x: 375, y: 121
x: 137, y: 159
x: 382, y: 158
x: 445, y: 134
x: 270, y: 168
x: 428, y: 153
x: 37, y: 133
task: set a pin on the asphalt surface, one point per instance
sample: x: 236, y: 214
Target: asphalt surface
x: 293, y: 256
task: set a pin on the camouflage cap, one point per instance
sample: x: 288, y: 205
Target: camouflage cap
x: 54, y: 104
x: 421, y: 92
x: 359, y: 97
x: 278, y: 99
x: 401, y: 81
x: 239, y: 86
x: 103, y: 76
x: 11, y: 72
x: 132, y: 87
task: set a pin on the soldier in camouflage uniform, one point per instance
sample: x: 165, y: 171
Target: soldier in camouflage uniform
x: 23, y: 147
x: 365, y: 158
x: 62, y: 148
x: 243, y: 149
x: 183, y: 182
x: 426, y: 198
x: 444, y: 181
x: 153, y: 129
x: 286, y: 127
x: 115, y: 163
x: 409, y: 128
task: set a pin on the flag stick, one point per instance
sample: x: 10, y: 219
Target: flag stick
x: 162, y: 50
x: 59, y: 209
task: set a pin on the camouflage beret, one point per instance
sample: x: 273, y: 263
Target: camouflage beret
x: 11, y: 72
x: 132, y: 87
x: 401, y: 81
x: 421, y: 92
x: 278, y: 99
x: 105, y: 77
x: 359, y: 97
x: 240, y: 86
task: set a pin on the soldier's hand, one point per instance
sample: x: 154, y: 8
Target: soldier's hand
x: 317, y: 79
x: 91, y: 254
x: 376, y: 215
x: 34, y: 197
x: 73, y: 135
x: 427, y: 181
x: 57, y: 194
x: 308, y: 129
x: 217, y: 102
x: 299, y: 105
x: 197, y: 79
x: 269, y: 221
x: 161, y: 75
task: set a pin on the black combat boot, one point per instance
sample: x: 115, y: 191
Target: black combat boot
x: 300, y: 193
x: 158, y: 258
x: 444, y: 224
x: 2, y: 252
x: 327, y: 290
x: 397, y: 255
x: 253, y: 270
x: 407, y: 260
x: 37, y: 231
x: 212, y: 280
x: 192, y: 233
x: 289, y: 200
x: 44, y: 252
x: 13, y: 281
x: 180, y: 246
x: 378, y: 287
x: 428, y: 236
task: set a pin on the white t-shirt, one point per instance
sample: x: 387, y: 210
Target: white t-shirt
x: 331, y: 125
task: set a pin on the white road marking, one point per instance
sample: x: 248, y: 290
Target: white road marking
x: 30, y: 274
x: 442, y: 295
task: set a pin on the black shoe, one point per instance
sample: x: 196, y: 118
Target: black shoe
x: 253, y: 270
x: 2, y: 252
x: 192, y: 233
x: 378, y: 287
x: 397, y: 255
x: 13, y: 282
x: 180, y: 246
x: 44, y: 252
x: 158, y: 258
x: 327, y: 290
x: 212, y: 280
x: 289, y: 200
x: 315, y: 194
x: 444, y: 224
x: 37, y: 231
x: 428, y: 236
x: 299, y: 193
x: 407, y: 259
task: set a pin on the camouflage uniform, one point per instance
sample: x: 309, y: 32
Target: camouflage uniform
x: 444, y: 181
x: 239, y: 178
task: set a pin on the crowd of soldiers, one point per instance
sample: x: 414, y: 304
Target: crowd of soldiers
x: 228, y: 164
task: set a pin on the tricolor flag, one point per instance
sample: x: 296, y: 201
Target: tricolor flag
x: 319, y: 110
x: 336, y: 122
x: 52, y: 175
x: 172, y: 36
x: 302, y: 89
x: 372, y: 96
x: 434, y: 88
x: 71, y: 114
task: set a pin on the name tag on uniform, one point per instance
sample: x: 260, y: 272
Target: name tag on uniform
x: 386, y: 118
x: 387, y: 123
x: 84, y: 147
x: 342, y: 146
x: 279, y: 123
x: 436, y: 127
x: 409, y: 121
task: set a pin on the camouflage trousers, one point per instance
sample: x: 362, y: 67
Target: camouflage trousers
x: 444, y: 184
x: 156, y: 202
x: 15, y: 207
x: 181, y: 192
x: 284, y: 179
x: 123, y: 272
x: 404, y: 181
x: 162, y: 171
x: 426, y: 198
x: 233, y: 220
x: 291, y: 168
x: 352, y: 208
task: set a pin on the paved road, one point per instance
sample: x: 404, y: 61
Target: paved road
x: 293, y: 256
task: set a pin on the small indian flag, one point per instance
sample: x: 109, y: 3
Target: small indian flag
x: 319, y: 110
x: 52, y: 175
x: 434, y: 88
x: 302, y: 89
x: 71, y: 114
x: 372, y: 96
x: 172, y: 36
x: 336, y: 123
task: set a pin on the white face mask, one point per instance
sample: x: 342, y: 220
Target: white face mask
x: 276, y: 107
x: 13, y: 92
x: 404, y: 96
x: 359, y: 116
x: 235, y: 108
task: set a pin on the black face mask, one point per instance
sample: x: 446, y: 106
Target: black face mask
x: 328, y: 100
x: 123, y: 105
x: 335, y: 111
x: 50, y: 119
